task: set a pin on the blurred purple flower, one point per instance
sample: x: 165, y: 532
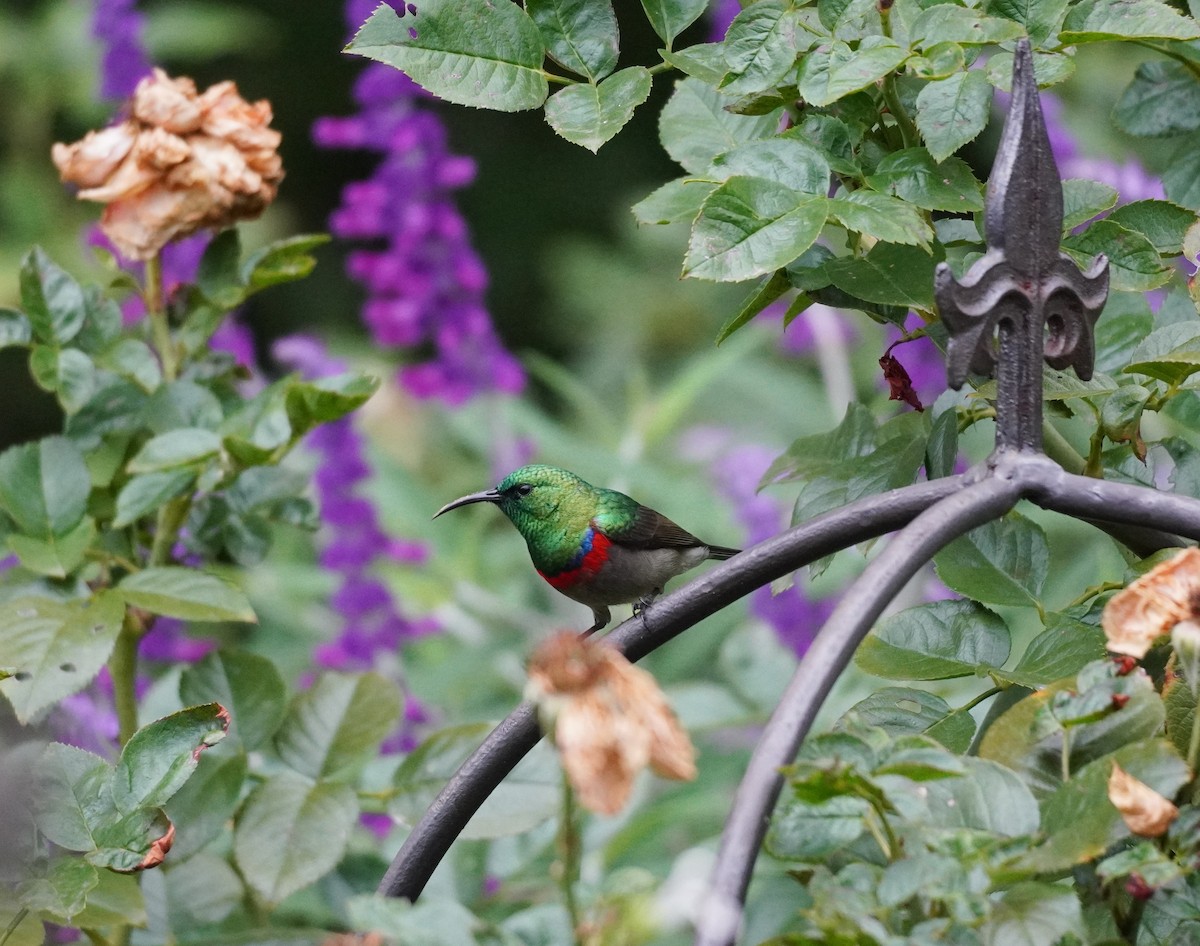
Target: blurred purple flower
x: 372, y: 625
x: 169, y: 642
x: 118, y: 26
x: 720, y: 15
x: 425, y: 283
x: 794, y: 617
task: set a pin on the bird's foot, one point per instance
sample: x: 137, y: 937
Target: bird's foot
x: 639, y: 606
x: 602, y: 617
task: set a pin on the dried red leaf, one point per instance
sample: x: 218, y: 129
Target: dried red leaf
x: 899, y: 383
x: 158, y: 850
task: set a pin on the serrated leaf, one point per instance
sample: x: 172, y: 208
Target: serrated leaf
x: 785, y: 159
x: 132, y: 359
x: 1060, y: 651
x: 1048, y: 69
x: 54, y: 648
x: 890, y: 274
x: 206, y: 802
x: 913, y: 175
x: 808, y: 832
x: 589, y: 115
x: 146, y: 493
x: 677, y: 200
x: 1033, y: 914
x: 1134, y: 263
x: 935, y: 641
x: 760, y: 47
x: 831, y: 73
x: 67, y: 372
x: 162, y: 755
x: 51, y: 299
x: 948, y: 23
x: 767, y: 292
x: 185, y: 593
x: 888, y: 219
x: 694, y: 126
x: 59, y: 889
x: 320, y: 400
x: 988, y: 797
x: 1181, y: 174
x: 952, y: 112
x: 1039, y: 17
x: 432, y: 922
x: 752, y: 226
x: 1161, y: 222
x: 580, y: 35
x: 1098, y: 20
x: 14, y: 328
x: 282, y: 261
x: 1083, y: 200
x: 58, y: 555
x: 44, y: 486
x: 671, y: 17
x: 247, y: 685
x: 185, y: 446
x: 1170, y: 353
x: 470, y: 52
x: 1162, y: 100
x: 903, y: 711
x: 335, y: 725
x: 73, y: 795
x: 1003, y: 562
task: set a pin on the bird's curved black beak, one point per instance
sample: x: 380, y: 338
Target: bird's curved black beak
x: 487, y: 496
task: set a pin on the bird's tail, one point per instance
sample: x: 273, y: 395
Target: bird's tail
x: 720, y: 552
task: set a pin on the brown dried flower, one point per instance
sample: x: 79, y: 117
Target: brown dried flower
x: 1146, y: 812
x: 181, y: 162
x: 1153, y: 604
x: 610, y: 719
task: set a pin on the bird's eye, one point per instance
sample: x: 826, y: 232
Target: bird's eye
x: 524, y: 489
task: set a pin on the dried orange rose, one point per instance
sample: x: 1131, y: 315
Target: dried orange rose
x: 1153, y: 604
x: 610, y: 720
x: 181, y: 162
x: 1146, y: 812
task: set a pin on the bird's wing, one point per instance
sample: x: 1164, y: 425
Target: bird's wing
x: 644, y: 528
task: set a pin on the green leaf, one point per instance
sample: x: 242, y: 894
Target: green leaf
x: 132, y: 359
x: 44, y: 486
x: 1039, y: 17
x: 760, y: 47
x: 57, y: 556
x: 1060, y: 651
x: 1083, y: 200
x: 162, y: 755
x: 1081, y: 822
x: 1048, y: 69
x: 988, y: 797
x: 185, y: 593
x: 1093, y: 21
x: 940, y: 61
x: 785, y: 159
x: 282, y: 261
x: 833, y: 72
x: 751, y: 226
x: 1162, y: 100
x: 885, y: 218
x: 525, y: 799
x: 203, y: 889
x: 470, y: 52
x: 217, y: 275
x: 59, y: 888
x: 1170, y: 353
x: 902, y: 711
x: 1003, y: 562
x: 1181, y: 174
x: 247, y: 685
x: 432, y: 922
x: 694, y: 126
x: 580, y: 35
x: 115, y: 900
x: 935, y: 641
x: 889, y: 274
x: 102, y: 322
x: 53, y: 301
x: 671, y: 17
x: 73, y: 795
x: 291, y: 832
x: 953, y: 111
x: 942, y: 450
x: 913, y: 175
x: 203, y: 807
x: 333, y: 727
x: 704, y: 61
x: 947, y: 23
x: 54, y: 648
x: 1163, y: 223
x: 186, y: 446
x: 677, y: 200
x: 1134, y: 263
x: 589, y: 115
x: 801, y: 831
x: 1033, y: 914
x: 146, y: 493
x: 768, y: 291
x: 321, y: 400
x: 67, y: 372
x: 183, y: 404
x: 14, y: 328
x: 131, y: 842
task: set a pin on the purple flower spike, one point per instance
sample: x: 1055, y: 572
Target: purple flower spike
x: 118, y: 26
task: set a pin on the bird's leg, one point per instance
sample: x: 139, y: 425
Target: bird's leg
x: 602, y: 617
x: 645, y: 601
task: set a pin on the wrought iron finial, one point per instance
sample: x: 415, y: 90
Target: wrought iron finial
x: 1024, y: 289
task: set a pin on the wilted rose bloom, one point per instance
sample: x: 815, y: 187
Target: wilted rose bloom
x: 1146, y: 812
x: 610, y: 720
x: 180, y: 162
x: 1153, y: 604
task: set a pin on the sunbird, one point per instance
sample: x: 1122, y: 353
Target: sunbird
x: 594, y: 545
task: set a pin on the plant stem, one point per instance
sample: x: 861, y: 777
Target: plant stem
x: 12, y: 926
x: 122, y: 666
x: 985, y: 695
x: 166, y: 530
x: 570, y: 854
x: 157, y: 313
x: 1193, y: 755
x: 1066, y: 755
x: 1059, y: 449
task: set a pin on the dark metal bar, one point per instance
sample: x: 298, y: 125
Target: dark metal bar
x: 883, y: 578
x: 668, y: 617
x: 1101, y: 501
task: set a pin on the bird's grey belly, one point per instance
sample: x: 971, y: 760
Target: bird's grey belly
x: 630, y: 574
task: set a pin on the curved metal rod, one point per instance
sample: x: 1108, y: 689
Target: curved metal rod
x: 861, y: 605
x: 1101, y: 501
x: 669, y: 616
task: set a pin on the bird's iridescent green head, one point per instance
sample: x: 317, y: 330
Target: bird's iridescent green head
x: 540, y: 500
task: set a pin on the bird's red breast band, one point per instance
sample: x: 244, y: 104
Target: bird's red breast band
x: 595, y: 554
